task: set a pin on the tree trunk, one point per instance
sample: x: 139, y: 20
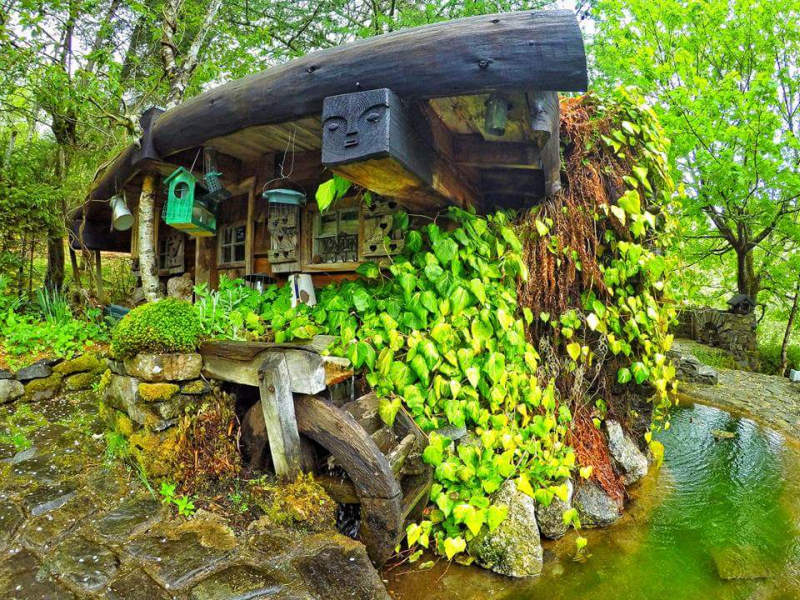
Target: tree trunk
x: 147, y: 256
x: 54, y: 278
x: 746, y: 280
x: 789, y: 325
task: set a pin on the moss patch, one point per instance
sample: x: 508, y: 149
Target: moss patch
x: 301, y: 504
x: 195, y: 388
x: 81, y: 381
x: 37, y: 389
x: 156, y: 452
x: 86, y: 362
x: 157, y: 392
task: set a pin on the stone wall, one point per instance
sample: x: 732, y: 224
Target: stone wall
x: 146, y: 396
x: 729, y: 331
x: 46, y: 378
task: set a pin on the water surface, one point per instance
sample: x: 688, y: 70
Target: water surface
x: 720, y: 520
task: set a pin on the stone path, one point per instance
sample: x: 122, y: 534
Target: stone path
x: 775, y: 401
x: 74, y: 525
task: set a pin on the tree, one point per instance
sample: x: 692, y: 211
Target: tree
x: 722, y: 75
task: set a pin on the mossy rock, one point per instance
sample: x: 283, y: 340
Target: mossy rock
x: 81, y: 381
x: 157, y: 392
x: 197, y: 387
x: 79, y: 364
x: 156, y: 452
x: 122, y: 423
x: 44, y: 388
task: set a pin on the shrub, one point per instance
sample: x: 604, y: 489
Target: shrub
x: 169, y: 325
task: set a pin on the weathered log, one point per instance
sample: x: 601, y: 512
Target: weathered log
x: 523, y: 50
x: 351, y: 446
x: 545, y: 126
x: 277, y: 406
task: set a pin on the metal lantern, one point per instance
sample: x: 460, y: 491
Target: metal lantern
x: 496, y: 116
x: 184, y: 209
x: 121, y: 217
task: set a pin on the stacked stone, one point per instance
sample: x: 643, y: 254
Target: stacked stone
x: 733, y: 332
x: 45, y: 378
x: 147, y: 395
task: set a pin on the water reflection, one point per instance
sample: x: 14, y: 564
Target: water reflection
x: 721, y: 520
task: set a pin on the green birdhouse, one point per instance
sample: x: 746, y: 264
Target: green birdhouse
x: 186, y: 209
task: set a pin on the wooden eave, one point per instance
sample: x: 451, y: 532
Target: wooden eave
x: 451, y: 67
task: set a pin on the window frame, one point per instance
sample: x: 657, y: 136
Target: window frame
x: 222, y: 245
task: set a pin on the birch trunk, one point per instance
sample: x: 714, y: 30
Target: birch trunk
x: 177, y: 74
x: 147, y: 255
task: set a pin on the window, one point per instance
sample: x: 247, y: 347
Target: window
x: 231, y: 243
x: 170, y: 253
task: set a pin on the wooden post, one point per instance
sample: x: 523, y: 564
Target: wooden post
x: 277, y: 404
x: 249, y: 236
x: 99, y: 274
x: 205, y: 262
x: 148, y: 269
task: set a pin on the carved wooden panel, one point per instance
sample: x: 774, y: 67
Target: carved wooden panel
x: 284, y: 227
x: 170, y: 253
x: 378, y: 218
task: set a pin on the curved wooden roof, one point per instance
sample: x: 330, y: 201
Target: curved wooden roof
x: 532, y: 50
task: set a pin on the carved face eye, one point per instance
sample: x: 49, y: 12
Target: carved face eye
x: 333, y: 126
x: 373, y: 116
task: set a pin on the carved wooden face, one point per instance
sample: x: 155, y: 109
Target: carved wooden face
x: 355, y: 126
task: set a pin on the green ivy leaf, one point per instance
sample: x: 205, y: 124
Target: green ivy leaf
x: 624, y: 375
x: 495, y: 515
x: 387, y: 409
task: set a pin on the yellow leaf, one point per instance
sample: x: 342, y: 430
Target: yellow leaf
x: 574, y: 350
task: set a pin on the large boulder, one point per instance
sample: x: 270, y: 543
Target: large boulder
x: 595, y: 507
x: 164, y: 367
x: 10, y: 390
x: 551, y: 517
x: 514, y: 548
x: 629, y: 460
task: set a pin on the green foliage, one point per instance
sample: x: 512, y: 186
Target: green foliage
x: 47, y: 329
x: 169, y: 325
x: 184, y: 503
x: 330, y: 191
x: 730, y: 109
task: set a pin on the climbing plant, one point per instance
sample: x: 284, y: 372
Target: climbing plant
x: 516, y: 326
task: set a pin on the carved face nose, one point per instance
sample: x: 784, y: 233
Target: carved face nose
x: 351, y: 139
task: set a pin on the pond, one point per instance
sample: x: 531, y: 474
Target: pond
x: 720, y: 520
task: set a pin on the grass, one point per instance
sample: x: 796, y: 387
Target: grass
x: 770, y: 338
x: 714, y: 357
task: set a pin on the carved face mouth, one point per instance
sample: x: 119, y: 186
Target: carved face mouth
x: 351, y: 139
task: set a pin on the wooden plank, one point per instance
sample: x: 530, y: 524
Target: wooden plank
x: 351, y: 446
x: 306, y: 369
x: 518, y: 50
x: 277, y: 405
x: 236, y: 350
x: 205, y: 262
x: 474, y: 151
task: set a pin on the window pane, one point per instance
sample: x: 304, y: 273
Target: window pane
x: 238, y: 252
x: 240, y: 234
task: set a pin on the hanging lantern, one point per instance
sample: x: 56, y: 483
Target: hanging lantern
x: 185, y: 210
x: 496, y: 116
x: 121, y: 217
